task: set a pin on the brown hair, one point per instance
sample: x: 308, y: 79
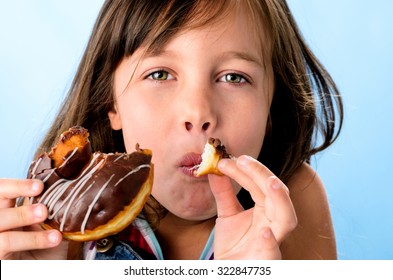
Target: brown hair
x: 306, y: 101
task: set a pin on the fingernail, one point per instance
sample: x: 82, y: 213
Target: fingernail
x: 35, y: 186
x: 244, y: 160
x: 222, y: 163
x: 266, y: 233
x: 38, y: 211
x: 276, y: 184
x: 53, y: 237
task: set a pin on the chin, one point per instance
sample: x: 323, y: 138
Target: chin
x: 192, y: 212
x: 185, y: 198
x: 197, y: 217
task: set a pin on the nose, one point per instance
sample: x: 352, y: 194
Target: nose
x: 189, y: 126
x: 198, y: 110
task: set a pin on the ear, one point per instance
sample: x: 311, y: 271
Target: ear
x: 114, y: 118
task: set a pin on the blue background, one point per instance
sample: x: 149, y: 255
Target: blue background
x: 42, y: 42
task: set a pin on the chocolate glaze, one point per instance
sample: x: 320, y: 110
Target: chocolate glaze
x: 76, y: 162
x: 111, y: 169
x: 220, y: 149
x: 76, y: 159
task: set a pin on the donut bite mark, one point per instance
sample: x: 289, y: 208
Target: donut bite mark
x: 91, y: 195
x: 71, y: 153
x: 212, y: 153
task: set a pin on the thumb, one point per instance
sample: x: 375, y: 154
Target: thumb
x: 224, y: 193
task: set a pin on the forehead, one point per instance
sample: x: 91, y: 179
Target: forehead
x: 223, y: 41
x: 212, y: 15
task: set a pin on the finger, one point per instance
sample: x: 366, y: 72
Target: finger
x: 22, y: 216
x: 224, y: 193
x: 10, y: 189
x: 269, y: 245
x: 16, y: 241
x: 249, y: 173
x: 280, y: 210
x: 230, y: 168
x: 257, y: 172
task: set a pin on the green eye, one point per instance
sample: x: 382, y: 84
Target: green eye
x: 159, y: 75
x: 233, y: 78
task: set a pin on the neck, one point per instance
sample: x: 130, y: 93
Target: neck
x: 183, y: 239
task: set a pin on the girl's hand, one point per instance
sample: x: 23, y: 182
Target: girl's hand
x: 258, y: 232
x: 20, y: 235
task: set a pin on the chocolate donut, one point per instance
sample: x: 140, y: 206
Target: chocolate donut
x: 91, y: 195
x: 212, y: 153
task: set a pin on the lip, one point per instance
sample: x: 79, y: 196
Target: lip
x: 189, y: 163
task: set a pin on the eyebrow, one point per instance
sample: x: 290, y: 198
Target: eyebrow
x: 243, y: 56
x: 226, y: 55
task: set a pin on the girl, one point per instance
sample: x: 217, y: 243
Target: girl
x: 170, y: 74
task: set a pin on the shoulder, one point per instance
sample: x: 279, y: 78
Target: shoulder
x: 314, y: 236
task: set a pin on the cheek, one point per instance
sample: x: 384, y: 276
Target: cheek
x: 248, y: 131
x: 138, y: 124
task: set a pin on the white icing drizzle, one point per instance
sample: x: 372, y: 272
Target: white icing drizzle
x: 51, y: 197
x: 48, y: 194
x: 90, y: 165
x: 76, y: 191
x: 68, y: 158
x: 35, y: 168
x: 83, y: 178
x: 90, y: 208
x: 77, y: 188
x: 48, y: 176
x: 133, y: 171
x: 119, y: 157
x: 59, y: 191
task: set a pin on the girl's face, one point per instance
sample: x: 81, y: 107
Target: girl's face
x: 208, y: 82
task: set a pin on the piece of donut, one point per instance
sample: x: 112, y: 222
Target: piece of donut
x: 91, y: 195
x: 212, y: 153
